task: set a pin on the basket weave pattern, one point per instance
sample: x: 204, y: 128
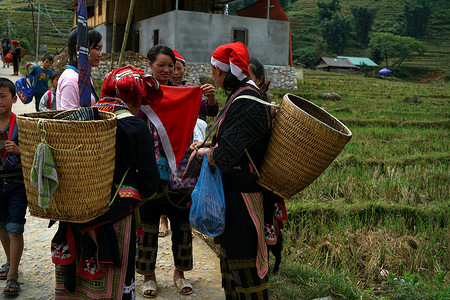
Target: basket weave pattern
x: 85, y: 174
x: 303, y: 143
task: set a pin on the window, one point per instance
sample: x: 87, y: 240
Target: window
x: 100, y: 7
x: 240, y: 35
x: 155, y: 37
x: 90, y: 11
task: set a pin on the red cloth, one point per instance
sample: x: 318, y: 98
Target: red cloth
x: 178, y: 111
x: 235, y: 55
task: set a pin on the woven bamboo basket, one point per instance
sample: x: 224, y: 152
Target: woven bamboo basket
x: 303, y: 143
x: 85, y: 173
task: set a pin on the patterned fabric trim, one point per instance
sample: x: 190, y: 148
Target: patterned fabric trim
x: 254, y: 203
x: 127, y: 191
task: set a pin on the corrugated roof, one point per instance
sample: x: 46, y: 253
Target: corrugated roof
x: 338, y: 62
x: 359, y: 61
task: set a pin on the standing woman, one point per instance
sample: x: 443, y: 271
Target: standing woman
x: 15, y: 51
x: 162, y: 61
x: 96, y: 260
x: 243, y: 134
x: 67, y: 93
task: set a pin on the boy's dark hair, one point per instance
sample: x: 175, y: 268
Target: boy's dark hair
x: 94, y: 36
x: 47, y: 56
x: 55, y: 75
x: 5, y: 82
x: 258, y: 69
x: 155, y: 50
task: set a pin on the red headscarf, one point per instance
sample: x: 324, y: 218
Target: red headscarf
x: 232, y: 57
x: 15, y: 42
x: 132, y: 85
x: 179, y: 57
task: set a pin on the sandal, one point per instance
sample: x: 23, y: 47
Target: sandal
x: 14, y: 286
x: 4, y: 271
x: 183, y: 284
x: 149, y: 285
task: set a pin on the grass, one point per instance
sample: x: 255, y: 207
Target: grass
x: 382, y: 204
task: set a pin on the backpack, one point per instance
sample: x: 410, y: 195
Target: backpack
x: 49, y: 101
x: 23, y: 52
x: 24, y: 90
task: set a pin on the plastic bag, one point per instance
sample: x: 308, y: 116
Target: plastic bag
x: 208, y: 202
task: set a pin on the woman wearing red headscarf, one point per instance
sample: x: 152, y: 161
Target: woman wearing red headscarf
x: 96, y: 260
x: 238, y: 150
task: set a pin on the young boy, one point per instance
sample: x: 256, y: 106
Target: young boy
x: 13, y: 199
x: 41, y: 76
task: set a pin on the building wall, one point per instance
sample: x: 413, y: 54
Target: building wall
x: 196, y: 35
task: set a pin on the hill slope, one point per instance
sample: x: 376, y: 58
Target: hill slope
x: 303, y: 18
x: 54, y: 23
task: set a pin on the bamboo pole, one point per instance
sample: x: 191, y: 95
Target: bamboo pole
x: 127, y: 29
x: 113, y: 46
x: 34, y: 32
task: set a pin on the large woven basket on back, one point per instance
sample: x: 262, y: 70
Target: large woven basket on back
x: 303, y: 143
x: 85, y: 172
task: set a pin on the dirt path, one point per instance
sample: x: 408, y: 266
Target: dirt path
x: 36, y: 270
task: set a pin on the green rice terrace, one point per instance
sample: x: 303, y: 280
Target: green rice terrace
x: 382, y: 204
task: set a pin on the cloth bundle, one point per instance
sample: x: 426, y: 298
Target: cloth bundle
x: 43, y: 174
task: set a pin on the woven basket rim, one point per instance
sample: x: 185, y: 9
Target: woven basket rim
x: 349, y: 134
x: 30, y: 117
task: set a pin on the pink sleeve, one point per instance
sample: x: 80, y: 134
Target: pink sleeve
x: 67, y: 94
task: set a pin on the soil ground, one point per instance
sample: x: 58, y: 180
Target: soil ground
x: 36, y: 270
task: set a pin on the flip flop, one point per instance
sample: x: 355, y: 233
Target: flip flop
x: 183, y: 283
x: 149, y: 285
x: 5, y: 270
x: 14, y: 285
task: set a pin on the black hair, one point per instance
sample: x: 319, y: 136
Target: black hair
x: 258, y: 69
x: 5, y: 82
x: 47, y: 56
x: 94, y: 36
x: 55, y: 75
x: 155, y: 50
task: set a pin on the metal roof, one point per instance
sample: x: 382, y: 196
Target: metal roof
x: 359, y: 61
x: 338, y: 62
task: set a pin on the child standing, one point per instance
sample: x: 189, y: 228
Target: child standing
x: 16, y: 56
x: 48, y: 101
x: 41, y: 76
x: 13, y: 199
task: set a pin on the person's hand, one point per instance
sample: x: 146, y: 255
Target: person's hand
x: 12, y: 147
x: 195, y: 146
x: 28, y: 64
x: 201, y: 152
x: 210, y: 92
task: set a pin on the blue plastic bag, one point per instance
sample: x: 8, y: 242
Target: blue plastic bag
x: 208, y: 202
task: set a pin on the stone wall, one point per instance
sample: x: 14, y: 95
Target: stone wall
x: 281, y: 76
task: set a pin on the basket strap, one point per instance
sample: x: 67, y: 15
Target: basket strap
x: 120, y: 185
x: 257, y: 100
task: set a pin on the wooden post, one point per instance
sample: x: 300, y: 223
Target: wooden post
x: 113, y: 46
x: 127, y: 29
x: 34, y: 32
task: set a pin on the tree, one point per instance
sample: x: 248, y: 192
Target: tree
x: 395, y: 46
x: 364, y: 18
x: 416, y: 14
x: 328, y: 9
x: 336, y: 32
